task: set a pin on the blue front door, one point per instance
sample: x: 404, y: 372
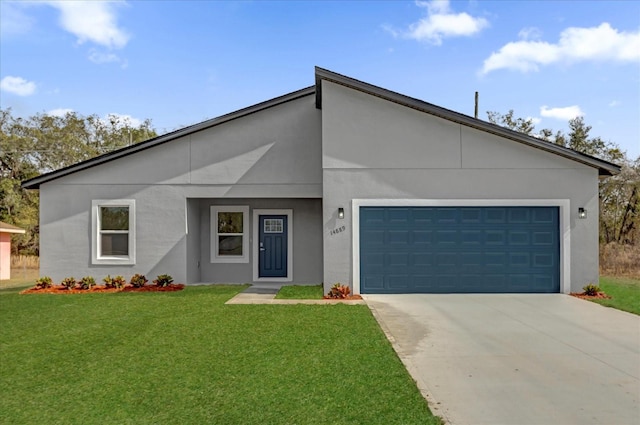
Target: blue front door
x: 273, y: 246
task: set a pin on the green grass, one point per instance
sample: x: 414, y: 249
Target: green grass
x: 20, y: 278
x: 624, y: 293
x: 186, y: 358
x: 300, y: 292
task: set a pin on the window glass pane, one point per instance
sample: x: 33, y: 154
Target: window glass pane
x: 230, y: 222
x: 273, y: 225
x: 114, y: 244
x: 229, y: 245
x: 114, y: 218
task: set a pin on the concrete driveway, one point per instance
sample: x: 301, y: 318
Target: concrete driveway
x: 517, y: 359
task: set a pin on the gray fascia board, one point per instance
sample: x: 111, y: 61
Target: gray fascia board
x: 35, y: 182
x: 605, y: 168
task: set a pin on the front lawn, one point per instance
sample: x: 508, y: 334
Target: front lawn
x: 624, y: 293
x: 186, y: 358
x: 300, y: 292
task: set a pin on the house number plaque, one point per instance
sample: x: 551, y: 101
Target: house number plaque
x: 338, y: 230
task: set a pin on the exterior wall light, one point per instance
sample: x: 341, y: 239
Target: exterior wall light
x: 582, y: 213
x: 340, y: 213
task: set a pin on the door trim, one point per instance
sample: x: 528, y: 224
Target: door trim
x: 256, y: 239
x: 564, y: 224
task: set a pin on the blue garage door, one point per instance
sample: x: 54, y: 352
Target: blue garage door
x: 459, y: 249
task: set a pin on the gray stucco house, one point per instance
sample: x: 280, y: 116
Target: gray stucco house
x: 339, y: 182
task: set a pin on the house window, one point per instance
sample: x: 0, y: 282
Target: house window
x: 273, y: 225
x: 113, y: 231
x: 229, y: 234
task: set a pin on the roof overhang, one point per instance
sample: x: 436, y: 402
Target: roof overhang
x: 605, y: 168
x: 10, y: 228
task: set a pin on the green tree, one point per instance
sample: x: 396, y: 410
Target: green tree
x: 43, y: 143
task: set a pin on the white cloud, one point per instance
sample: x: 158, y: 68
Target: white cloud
x: 534, y: 120
x: 59, y: 112
x: 601, y: 43
x: 17, y: 85
x: 441, y: 23
x: 530, y: 33
x: 93, y: 21
x: 99, y: 57
x: 567, y: 113
x: 614, y: 103
x: 122, y: 120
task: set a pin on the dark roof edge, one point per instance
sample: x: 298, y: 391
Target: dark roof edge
x: 605, y: 168
x: 35, y: 182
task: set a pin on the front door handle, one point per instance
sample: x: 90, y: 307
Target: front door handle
x: 263, y: 249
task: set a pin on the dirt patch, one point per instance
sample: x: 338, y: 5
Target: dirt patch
x: 59, y: 289
x: 598, y: 296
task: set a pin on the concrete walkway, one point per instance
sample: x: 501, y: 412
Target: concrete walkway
x: 265, y: 294
x: 517, y: 359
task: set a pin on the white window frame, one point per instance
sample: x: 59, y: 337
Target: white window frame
x: 96, y: 255
x: 215, y: 258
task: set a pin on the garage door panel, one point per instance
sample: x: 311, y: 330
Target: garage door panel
x: 544, y: 216
x: 399, y: 216
x: 373, y: 282
x: 471, y: 215
x: 471, y: 237
x: 422, y: 259
x: 520, y: 259
x: 459, y: 249
x: 543, y: 260
x: 445, y: 216
x: 398, y: 237
x: 519, y: 237
x: 446, y: 237
x: 398, y: 259
x: 399, y: 282
x: 372, y: 237
x: 495, y: 215
x: 519, y: 215
x: 421, y: 237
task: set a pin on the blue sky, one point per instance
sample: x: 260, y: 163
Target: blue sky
x: 181, y: 62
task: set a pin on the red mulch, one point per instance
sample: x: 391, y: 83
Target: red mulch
x: 348, y: 297
x: 59, y: 289
x: 600, y: 295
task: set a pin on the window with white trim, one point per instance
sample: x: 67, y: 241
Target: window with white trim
x: 229, y: 234
x: 113, y: 231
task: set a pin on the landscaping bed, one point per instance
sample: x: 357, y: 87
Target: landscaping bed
x: 101, y: 289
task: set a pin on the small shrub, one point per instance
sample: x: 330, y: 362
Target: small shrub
x: 118, y: 282
x: 138, y: 280
x: 44, y: 282
x: 69, y: 283
x: 108, y: 281
x: 163, y: 280
x: 338, y: 291
x: 87, y: 282
x: 591, y: 290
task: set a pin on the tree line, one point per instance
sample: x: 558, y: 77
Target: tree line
x: 43, y: 143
